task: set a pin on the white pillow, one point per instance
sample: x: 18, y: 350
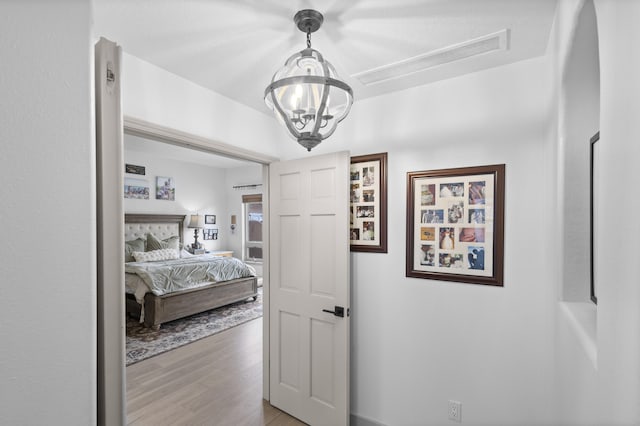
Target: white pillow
x: 185, y: 253
x: 155, y: 255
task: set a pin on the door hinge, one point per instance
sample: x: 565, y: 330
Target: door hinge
x: 111, y: 76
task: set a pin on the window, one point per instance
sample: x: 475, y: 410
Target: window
x: 252, y: 244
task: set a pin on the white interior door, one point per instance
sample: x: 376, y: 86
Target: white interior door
x: 309, y: 270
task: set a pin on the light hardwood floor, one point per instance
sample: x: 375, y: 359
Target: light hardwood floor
x: 213, y: 381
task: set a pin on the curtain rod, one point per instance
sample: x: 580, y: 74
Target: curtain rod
x: 251, y: 186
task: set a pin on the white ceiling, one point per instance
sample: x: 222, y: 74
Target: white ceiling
x: 234, y: 46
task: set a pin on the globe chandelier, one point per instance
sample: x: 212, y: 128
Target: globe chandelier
x: 306, y: 94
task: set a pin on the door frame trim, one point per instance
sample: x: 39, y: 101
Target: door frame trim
x: 110, y: 345
x: 138, y: 127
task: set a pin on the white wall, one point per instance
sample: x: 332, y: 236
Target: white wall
x: 47, y: 157
x: 157, y: 96
x: 578, y: 89
x: 608, y: 392
x: 619, y: 297
x: 580, y: 112
x: 418, y: 343
x: 200, y: 189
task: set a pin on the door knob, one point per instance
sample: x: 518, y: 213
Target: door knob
x: 337, y: 311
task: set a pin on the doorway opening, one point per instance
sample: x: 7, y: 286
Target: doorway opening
x: 186, y: 158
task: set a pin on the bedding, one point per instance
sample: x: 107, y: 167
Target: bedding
x: 132, y: 246
x: 154, y: 243
x: 174, y: 275
x: 155, y: 255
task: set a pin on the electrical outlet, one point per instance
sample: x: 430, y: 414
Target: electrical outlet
x: 455, y: 411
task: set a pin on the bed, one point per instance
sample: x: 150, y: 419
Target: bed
x: 155, y: 305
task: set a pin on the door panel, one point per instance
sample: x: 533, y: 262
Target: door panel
x: 291, y: 254
x: 290, y: 350
x: 323, y: 261
x: 322, y: 366
x: 309, y: 274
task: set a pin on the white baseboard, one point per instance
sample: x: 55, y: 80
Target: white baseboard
x: 363, y: 421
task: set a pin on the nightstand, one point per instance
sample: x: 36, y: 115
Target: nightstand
x: 226, y: 253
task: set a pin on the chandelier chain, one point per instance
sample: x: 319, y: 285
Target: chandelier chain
x: 309, y: 37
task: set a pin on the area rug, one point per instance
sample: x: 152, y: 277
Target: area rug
x: 143, y: 343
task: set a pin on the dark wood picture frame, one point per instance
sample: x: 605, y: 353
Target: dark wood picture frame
x: 593, y: 194
x: 373, y: 203
x: 465, y: 214
x: 209, y: 219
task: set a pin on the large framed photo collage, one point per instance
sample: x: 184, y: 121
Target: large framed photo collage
x: 455, y: 224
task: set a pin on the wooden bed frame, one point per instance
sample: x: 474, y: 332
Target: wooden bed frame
x: 169, y: 307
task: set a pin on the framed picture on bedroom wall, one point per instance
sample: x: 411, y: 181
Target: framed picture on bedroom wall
x: 368, y: 203
x: 165, y: 188
x: 134, y: 169
x: 210, y: 234
x: 455, y: 224
x: 136, y: 188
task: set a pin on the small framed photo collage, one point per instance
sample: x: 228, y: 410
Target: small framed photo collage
x: 210, y: 233
x: 368, y: 203
x: 455, y: 224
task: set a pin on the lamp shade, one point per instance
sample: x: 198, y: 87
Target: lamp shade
x: 196, y: 221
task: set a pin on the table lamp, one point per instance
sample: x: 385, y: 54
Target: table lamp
x: 197, y: 222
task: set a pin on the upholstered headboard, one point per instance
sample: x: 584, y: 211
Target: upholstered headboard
x: 162, y: 226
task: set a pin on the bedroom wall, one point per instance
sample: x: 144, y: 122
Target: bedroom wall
x: 199, y: 189
x: 48, y: 264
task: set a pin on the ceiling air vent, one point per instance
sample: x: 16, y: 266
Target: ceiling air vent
x: 490, y: 43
